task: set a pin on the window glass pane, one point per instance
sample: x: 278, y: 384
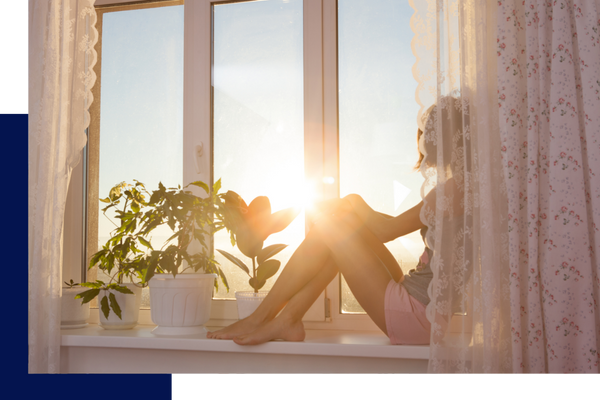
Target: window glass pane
x: 141, y: 125
x: 377, y: 116
x: 258, y: 116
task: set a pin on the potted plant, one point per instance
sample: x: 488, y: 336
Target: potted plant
x: 120, y: 259
x: 129, y: 254
x: 73, y: 314
x: 249, y: 226
x: 115, y: 296
x: 180, y: 302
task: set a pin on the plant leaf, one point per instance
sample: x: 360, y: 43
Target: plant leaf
x: 121, y: 289
x: 267, y: 269
x: 114, y: 305
x: 104, y: 306
x: 71, y: 284
x: 202, y: 185
x: 93, y: 285
x: 88, y: 295
x: 217, y: 186
x: 235, y: 260
x: 256, y: 283
x: 150, y: 268
x: 155, y: 197
x: 145, y: 242
x: 96, y: 257
x: 269, y: 252
x: 167, y: 261
x: 223, y: 279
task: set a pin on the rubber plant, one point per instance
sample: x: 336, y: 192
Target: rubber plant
x: 129, y: 254
x: 249, y: 227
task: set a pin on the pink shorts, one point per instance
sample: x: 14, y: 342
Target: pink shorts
x: 405, y: 318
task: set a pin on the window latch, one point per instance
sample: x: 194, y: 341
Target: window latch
x: 198, y: 152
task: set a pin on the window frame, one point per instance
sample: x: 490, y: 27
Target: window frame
x: 321, y: 139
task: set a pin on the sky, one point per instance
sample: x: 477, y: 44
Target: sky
x: 141, y: 119
x: 258, y: 108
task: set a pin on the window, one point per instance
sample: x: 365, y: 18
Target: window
x: 258, y: 115
x: 322, y: 89
x: 377, y: 116
x: 138, y: 129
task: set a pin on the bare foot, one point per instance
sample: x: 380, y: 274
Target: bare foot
x: 238, y: 328
x: 279, y: 328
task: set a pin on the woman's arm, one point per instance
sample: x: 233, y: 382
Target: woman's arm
x: 385, y: 227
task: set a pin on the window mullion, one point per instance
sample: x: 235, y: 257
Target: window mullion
x: 330, y: 101
x: 313, y: 95
x: 330, y: 128
x: 314, y: 116
x: 197, y: 93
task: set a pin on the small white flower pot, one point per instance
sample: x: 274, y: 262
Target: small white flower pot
x: 181, y: 305
x: 248, y: 302
x: 73, y: 314
x: 130, y: 308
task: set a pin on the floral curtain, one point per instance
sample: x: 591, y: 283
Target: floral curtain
x: 512, y: 201
x: 549, y: 102
x: 62, y: 35
x: 464, y: 192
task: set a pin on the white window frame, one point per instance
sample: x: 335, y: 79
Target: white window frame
x: 321, y: 142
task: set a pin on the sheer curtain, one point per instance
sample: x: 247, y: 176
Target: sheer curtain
x: 549, y: 98
x: 62, y: 35
x: 464, y: 192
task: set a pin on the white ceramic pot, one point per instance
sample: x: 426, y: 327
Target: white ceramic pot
x: 130, y: 308
x: 73, y: 314
x: 247, y: 302
x: 180, y: 305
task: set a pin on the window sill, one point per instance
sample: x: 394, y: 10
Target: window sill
x: 95, y: 350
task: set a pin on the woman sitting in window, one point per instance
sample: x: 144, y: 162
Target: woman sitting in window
x: 348, y: 236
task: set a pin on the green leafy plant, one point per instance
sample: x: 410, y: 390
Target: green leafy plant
x: 249, y: 227
x: 96, y: 287
x: 70, y: 284
x: 129, y: 254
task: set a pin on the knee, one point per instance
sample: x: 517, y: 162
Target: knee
x: 322, y: 225
x: 353, y: 197
x: 356, y: 204
x: 352, y: 200
x: 342, y: 223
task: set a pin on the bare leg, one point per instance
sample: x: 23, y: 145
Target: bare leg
x: 365, y: 262
x: 308, y: 261
x: 288, y: 325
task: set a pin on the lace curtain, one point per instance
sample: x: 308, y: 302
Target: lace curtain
x: 62, y: 35
x: 511, y: 195
x: 464, y: 191
x: 549, y: 98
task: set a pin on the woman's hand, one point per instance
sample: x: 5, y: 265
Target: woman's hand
x: 386, y: 227
x: 378, y: 223
x: 374, y: 221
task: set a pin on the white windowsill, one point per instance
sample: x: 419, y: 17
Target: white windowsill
x: 138, y: 350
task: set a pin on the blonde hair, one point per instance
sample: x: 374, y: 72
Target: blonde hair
x: 453, y: 117
x: 421, y: 155
x: 422, y: 123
